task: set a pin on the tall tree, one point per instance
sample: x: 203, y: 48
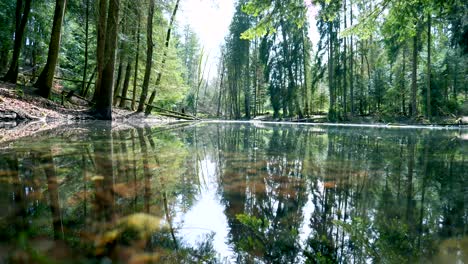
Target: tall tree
x: 164, y: 58
x: 149, y: 57
x: 46, y: 78
x: 86, y: 40
x: 414, y: 74
x: 428, y: 89
x: 137, y: 60
x: 103, y: 108
x: 21, y: 15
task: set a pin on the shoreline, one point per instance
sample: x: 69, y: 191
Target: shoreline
x: 373, y: 125
x: 23, y: 113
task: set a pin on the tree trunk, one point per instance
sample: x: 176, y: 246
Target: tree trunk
x: 403, y: 83
x: 218, y: 111
x: 361, y: 86
x: 345, y: 61
x: 85, y: 70
x: 414, y: 76
x: 247, y: 83
x: 137, y: 57
x: 46, y: 78
x: 101, y: 41
x: 304, y: 65
x: 119, y: 77
x: 12, y: 74
x: 89, y: 82
x: 200, y: 73
x: 331, y: 111
x: 104, y: 102
x: 128, y: 72
x: 163, y: 63
x: 4, y: 57
x: 428, y: 92
x: 351, y: 64
x: 149, y: 57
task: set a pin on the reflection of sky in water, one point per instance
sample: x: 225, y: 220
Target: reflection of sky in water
x: 302, y: 179
x: 207, y: 213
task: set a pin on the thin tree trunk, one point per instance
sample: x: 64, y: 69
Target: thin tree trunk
x: 351, y: 64
x: 201, y: 73
x: 4, y: 57
x: 403, y: 83
x: 306, y: 88
x: 256, y: 81
x: 149, y: 57
x: 137, y: 57
x: 345, y: 61
x: 85, y: 70
x: 361, y: 86
x: 428, y: 93
x: 218, y: 111
x: 331, y: 111
x: 124, y: 59
x: 128, y: 73
x: 119, y: 77
x: 12, y: 74
x: 164, y: 58
x: 414, y: 76
x: 89, y: 82
x: 247, y: 93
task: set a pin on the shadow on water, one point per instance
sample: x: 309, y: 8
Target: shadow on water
x: 235, y: 192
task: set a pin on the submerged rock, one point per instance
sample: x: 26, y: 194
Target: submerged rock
x: 133, y: 230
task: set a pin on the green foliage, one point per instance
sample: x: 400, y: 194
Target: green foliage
x: 268, y: 53
x: 270, y: 13
x: 7, y: 26
x: 254, y: 223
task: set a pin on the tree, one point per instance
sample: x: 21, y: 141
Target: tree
x: 21, y: 15
x: 149, y: 57
x: 103, y: 108
x: 137, y: 60
x: 85, y: 67
x: 46, y: 78
x: 7, y: 29
x: 164, y: 58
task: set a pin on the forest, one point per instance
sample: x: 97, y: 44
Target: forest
x: 290, y: 194
x: 366, y: 164
x: 386, y: 59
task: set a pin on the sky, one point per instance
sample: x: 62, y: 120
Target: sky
x: 210, y: 19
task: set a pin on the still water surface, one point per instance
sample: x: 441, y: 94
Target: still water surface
x: 235, y: 193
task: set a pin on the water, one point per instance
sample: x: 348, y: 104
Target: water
x: 235, y: 193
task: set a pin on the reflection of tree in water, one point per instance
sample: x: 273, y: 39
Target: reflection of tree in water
x: 386, y: 205
x: 376, y: 195
x: 80, y: 194
x: 263, y: 190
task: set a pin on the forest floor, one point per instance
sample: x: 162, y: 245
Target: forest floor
x: 23, y: 113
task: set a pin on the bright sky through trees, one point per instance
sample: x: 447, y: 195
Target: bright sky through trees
x: 210, y: 19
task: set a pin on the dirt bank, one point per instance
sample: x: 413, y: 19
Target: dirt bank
x: 22, y: 113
